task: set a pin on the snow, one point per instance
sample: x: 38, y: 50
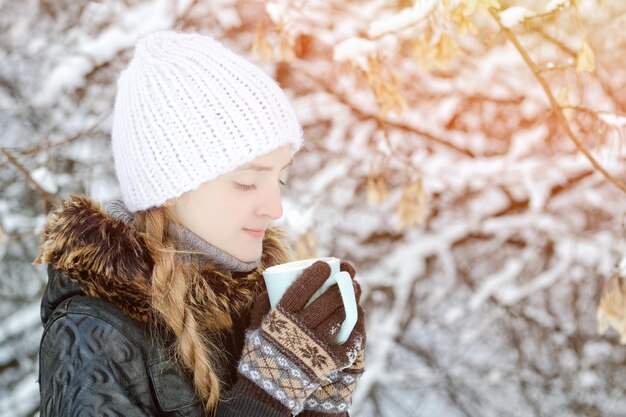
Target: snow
x: 331, y: 172
x: 23, y: 399
x: 615, y: 120
x: 182, y: 5
x: 488, y: 308
x: 514, y: 294
x: 298, y: 219
x: 555, y: 4
x: 15, y: 222
x: 45, y: 179
x: 588, y: 379
x: 102, y: 189
x: 355, y: 49
x: 514, y: 15
x: 319, y: 105
x: 70, y: 72
x: 14, y: 324
x: 407, y: 17
x: 497, y: 280
x: 386, y: 330
x: 276, y: 9
x: 525, y: 142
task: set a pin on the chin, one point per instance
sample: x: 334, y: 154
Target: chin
x: 250, y: 257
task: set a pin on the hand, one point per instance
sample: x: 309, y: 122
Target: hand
x: 334, y: 396
x: 290, y: 352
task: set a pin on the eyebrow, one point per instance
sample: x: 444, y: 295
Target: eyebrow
x: 256, y: 167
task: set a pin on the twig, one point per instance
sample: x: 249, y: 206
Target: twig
x: 595, y: 113
x: 50, y: 198
x: 554, y: 103
x: 556, y: 42
x: 69, y: 139
x: 400, y: 126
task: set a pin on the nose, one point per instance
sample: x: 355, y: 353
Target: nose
x: 271, y: 204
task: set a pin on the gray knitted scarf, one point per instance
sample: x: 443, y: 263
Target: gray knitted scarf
x: 187, y: 240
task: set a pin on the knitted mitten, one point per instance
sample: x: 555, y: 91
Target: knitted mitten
x: 290, y: 352
x: 334, y: 396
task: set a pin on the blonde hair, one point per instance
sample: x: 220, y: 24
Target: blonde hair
x: 175, y: 288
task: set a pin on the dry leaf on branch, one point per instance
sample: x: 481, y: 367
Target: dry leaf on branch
x: 612, y: 308
x: 411, y: 209
x: 585, y: 58
x: 438, y: 55
x: 385, y: 87
x: 376, y: 188
x: 563, y: 98
x: 464, y: 11
x: 260, y: 45
x: 286, y: 45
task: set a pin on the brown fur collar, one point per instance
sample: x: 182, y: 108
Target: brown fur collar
x: 112, y: 260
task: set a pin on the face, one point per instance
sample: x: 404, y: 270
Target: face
x: 227, y: 210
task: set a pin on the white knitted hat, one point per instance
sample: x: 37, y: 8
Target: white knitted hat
x: 188, y: 110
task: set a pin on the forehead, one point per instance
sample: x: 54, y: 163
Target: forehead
x: 278, y: 159
x: 259, y: 167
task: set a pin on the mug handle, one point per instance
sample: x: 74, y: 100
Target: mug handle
x: 344, y: 281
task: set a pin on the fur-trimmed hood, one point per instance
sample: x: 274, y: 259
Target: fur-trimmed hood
x: 109, y: 259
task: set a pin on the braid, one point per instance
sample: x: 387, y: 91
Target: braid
x: 170, y: 287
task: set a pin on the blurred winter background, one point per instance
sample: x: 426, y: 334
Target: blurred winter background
x: 467, y: 156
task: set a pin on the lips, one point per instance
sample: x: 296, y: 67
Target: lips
x: 256, y: 233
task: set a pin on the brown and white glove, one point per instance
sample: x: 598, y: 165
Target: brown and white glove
x: 334, y: 397
x: 289, y: 351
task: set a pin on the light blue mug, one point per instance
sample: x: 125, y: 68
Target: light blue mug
x: 279, y: 277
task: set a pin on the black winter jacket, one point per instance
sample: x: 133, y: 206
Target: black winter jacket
x: 97, y: 358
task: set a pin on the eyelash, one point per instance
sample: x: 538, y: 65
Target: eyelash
x: 251, y: 187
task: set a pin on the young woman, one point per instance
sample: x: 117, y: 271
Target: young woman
x: 155, y: 305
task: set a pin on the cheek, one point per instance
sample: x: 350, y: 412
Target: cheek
x: 212, y: 209
x: 233, y: 209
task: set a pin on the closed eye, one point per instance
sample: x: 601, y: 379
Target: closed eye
x: 245, y: 187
